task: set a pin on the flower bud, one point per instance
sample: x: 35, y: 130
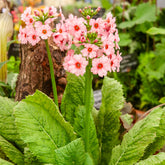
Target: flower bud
x: 96, y: 40
x: 98, y: 9
x: 36, y: 13
x: 50, y: 13
x: 88, y: 17
x: 42, y: 10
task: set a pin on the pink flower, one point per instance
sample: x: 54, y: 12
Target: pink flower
x: 62, y: 40
x: 33, y: 38
x: 44, y: 31
x: 70, y: 54
x: 60, y: 28
x: 26, y: 14
x: 90, y: 50
x: 119, y: 58
x: 108, y: 44
x: 113, y: 64
x: 99, y: 53
x: 23, y: 35
x: 117, y: 39
x: 48, y: 21
x: 29, y: 20
x: 77, y: 65
x: 53, y: 11
x: 75, y: 26
x: 38, y: 24
x: 62, y: 16
x: 61, y: 37
x: 109, y: 25
x: 100, y: 66
x: 97, y: 25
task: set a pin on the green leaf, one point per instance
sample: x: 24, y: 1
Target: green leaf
x: 136, y: 140
x: 2, y: 84
x: 143, y: 27
x: 145, y: 12
x: 127, y: 24
x: 108, y: 123
x: 125, y: 39
x: 162, y: 100
x: 4, y: 162
x: 12, y: 79
x: 9, y: 43
x: 155, y: 68
x: 158, y: 159
x: 126, y: 120
x: 106, y: 4
x: 73, y: 96
x: 11, y: 152
x: 3, y: 63
x: 72, y: 153
x: 79, y: 127
x: 8, y: 129
x: 29, y: 158
x: 42, y: 127
x: 159, y: 141
x: 88, y: 160
x: 155, y: 30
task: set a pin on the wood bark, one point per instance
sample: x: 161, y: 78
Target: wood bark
x: 35, y: 73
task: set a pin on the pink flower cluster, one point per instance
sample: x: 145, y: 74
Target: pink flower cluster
x: 37, y: 25
x: 94, y: 39
x: 84, y: 38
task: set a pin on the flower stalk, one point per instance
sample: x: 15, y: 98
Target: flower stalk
x: 52, y: 74
x: 87, y: 98
x: 6, y: 30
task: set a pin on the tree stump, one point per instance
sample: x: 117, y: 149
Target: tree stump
x: 35, y: 73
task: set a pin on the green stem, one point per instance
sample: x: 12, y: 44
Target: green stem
x: 52, y: 73
x: 147, y: 43
x: 88, y: 107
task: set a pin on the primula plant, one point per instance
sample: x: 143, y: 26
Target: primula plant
x: 37, y: 28
x: 34, y: 131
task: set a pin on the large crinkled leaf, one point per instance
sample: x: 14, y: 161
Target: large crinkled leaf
x: 79, y: 127
x: 88, y: 160
x: 155, y: 30
x: 71, y: 154
x: 11, y: 152
x: 145, y: 12
x: 136, y: 140
x: 108, y: 123
x: 73, y: 96
x: 159, y: 141
x: 29, y: 158
x: 4, y: 162
x: 7, y: 125
x: 158, y: 159
x: 42, y: 127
